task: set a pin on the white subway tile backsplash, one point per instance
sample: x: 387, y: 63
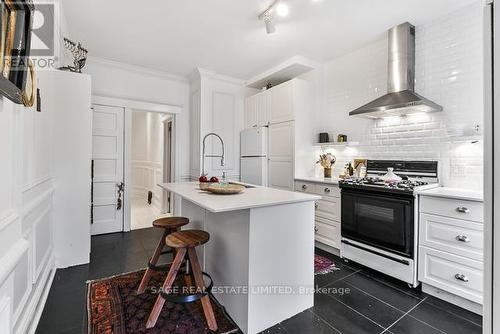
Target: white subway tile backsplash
x: 449, y: 63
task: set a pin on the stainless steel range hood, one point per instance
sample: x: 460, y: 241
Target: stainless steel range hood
x: 401, y: 98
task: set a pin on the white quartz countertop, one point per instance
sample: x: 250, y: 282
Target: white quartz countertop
x: 455, y: 193
x: 250, y: 198
x: 318, y: 179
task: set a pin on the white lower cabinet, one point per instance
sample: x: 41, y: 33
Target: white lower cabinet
x: 455, y: 274
x: 327, y: 222
x: 451, y: 246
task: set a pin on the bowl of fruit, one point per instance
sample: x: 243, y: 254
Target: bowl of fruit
x: 205, y: 182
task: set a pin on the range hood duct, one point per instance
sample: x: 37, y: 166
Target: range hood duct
x: 401, y: 98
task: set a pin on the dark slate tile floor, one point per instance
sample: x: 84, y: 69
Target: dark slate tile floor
x: 358, y: 300
x: 353, y: 299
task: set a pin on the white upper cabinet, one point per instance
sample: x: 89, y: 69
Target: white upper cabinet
x: 250, y: 116
x: 276, y: 105
x: 281, y: 107
x: 257, y: 110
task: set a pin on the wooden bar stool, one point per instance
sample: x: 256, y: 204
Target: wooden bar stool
x: 169, y: 225
x: 185, y: 242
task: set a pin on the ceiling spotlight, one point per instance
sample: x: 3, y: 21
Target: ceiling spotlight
x: 267, y: 15
x: 268, y: 20
x: 282, y: 9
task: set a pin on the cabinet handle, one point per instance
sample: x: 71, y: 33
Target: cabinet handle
x: 316, y: 205
x: 327, y: 190
x: 463, y: 209
x: 463, y: 238
x: 304, y: 187
x: 315, y: 229
x: 461, y: 277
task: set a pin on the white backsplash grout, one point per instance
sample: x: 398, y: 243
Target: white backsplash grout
x: 449, y: 62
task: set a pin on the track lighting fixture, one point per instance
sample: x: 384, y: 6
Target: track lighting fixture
x: 267, y: 16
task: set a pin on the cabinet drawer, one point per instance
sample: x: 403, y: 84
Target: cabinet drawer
x: 327, y: 190
x: 328, y: 232
x: 304, y: 187
x: 328, y: 209
x: 453, y: 208
x: 460, y: 237
x: 455, y: 274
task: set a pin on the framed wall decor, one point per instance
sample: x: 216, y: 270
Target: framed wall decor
x: 15, y: 42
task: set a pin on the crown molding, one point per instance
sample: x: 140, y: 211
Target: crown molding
x: 202, y: 73
x: 137, y: 69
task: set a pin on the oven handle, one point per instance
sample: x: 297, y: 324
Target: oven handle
x: 405, y: 262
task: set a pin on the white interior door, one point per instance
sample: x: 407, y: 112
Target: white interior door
x: 107, y: 177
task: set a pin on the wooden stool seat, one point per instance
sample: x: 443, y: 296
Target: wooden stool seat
x: 184, y: 242
x: 170, y: 222
x: 187, y: 239
x: 169, y: 225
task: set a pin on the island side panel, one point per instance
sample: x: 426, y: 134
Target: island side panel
x: 225, y: 256
x: 281, y: 252
x: 196, y: 215
x: 226, y: 260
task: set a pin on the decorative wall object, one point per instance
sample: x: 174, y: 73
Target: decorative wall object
x: 79, y: 56
x: 15, y: 43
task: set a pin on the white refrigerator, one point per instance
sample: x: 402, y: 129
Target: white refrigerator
x: 254, y: 156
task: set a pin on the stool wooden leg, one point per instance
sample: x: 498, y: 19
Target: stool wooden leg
x: 167, y: 285
x: 205, y: 301
x: 154, y: 260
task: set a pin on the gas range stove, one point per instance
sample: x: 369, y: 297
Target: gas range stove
x: 374, y: 183
x: 380, y: 218
x: 415, y: 176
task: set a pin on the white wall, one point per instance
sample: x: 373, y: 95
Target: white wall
x: 217, y: 105
x: 449, y: 64
x: 27, y: 250
x: 26, y: 229
x: 147, y: 156
x: 118, y: 80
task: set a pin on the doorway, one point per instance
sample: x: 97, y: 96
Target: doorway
x: 150, y: 165
x: 133, y: 151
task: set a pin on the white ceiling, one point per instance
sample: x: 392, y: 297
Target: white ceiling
x: 226, y: 36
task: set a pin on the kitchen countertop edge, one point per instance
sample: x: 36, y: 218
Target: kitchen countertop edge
x: 295, y: 197
x: 453, y: 193
x: 317, y: 180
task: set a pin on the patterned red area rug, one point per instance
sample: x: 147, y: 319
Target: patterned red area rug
x: 114, y: 307
x: 322, y: 265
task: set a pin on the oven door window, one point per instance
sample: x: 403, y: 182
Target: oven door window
x: 379, y: 220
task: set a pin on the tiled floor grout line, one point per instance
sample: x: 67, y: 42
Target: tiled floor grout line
x: 394, y: 287
x: 404, y: 315
x: 454, y: 314
x: 361, y: 314
x: 380, y: 300
x: 326, y: 322
x: 425, y: 323
x: 340, y: 279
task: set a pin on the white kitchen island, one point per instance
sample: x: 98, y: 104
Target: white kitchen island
x: 261, y: 250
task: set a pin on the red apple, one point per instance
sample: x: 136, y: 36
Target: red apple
x: 213, y: 179
x: 203, y: 179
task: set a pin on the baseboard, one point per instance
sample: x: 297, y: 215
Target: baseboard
x: 327, y: 248
x: 28, y: 321
x: 453, y: 299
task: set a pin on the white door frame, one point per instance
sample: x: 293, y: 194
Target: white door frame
x: 129, y: 106
x: 491, y: 323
